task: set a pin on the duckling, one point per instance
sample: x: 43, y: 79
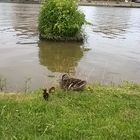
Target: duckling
x: 68, y: 83
x: 52, y: 90
x: 45, y: 94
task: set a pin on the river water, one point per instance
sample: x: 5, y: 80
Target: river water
x: 112, y: 48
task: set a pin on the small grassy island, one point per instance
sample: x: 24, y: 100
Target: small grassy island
x: 97, y: 113
x: 60, y: 20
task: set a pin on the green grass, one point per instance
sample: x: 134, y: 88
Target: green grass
x: 98, y: 113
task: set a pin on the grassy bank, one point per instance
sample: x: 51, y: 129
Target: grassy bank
x: 99, y: 112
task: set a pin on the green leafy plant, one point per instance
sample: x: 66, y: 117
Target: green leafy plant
x: 60, y: 18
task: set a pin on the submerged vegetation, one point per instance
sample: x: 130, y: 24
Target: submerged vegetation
x: 99, y: 112
x: 60, y: 20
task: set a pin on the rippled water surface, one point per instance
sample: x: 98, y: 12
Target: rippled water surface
x: 113, y: 55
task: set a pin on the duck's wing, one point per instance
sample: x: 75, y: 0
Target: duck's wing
x: 72, y: 83
x: 79, y: 85
x: 65, y: 84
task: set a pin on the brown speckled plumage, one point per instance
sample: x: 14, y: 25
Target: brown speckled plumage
x: 68, y: 83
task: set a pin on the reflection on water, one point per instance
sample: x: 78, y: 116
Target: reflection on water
x: 59, y: 56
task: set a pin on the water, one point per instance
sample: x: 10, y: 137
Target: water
x: 114, y: 42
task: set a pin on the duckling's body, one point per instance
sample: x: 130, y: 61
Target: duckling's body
x: 45, y: 94
x: 68, y: 83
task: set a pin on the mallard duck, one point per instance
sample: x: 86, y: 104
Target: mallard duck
x: 68, y: 83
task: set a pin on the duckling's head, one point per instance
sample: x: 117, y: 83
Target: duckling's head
x: 52, y: 90
x: 44, y: 90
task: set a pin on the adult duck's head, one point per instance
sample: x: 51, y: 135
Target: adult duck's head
x: 65, y: 77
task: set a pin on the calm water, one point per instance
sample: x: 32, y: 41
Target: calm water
x: 114, y: 42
